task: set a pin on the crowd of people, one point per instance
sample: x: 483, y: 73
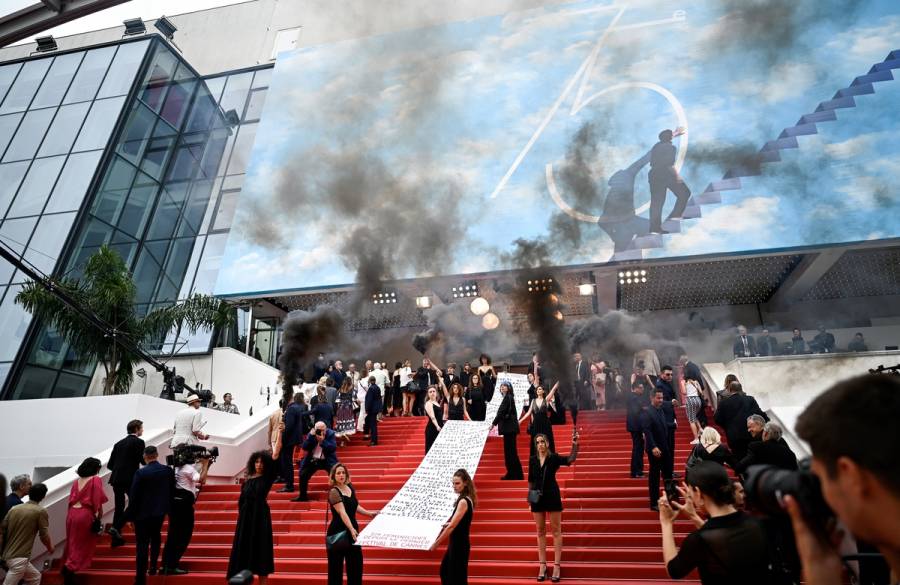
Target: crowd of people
x: 765, y: 345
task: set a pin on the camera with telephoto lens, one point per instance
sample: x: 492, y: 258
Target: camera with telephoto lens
x: 767, y: 485
x: 190, y: 454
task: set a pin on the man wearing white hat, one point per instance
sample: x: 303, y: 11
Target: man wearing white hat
x: 188, y: 424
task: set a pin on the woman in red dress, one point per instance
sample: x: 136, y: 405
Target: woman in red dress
x: 86, y: 501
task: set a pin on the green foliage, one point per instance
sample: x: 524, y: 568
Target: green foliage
x: 107, y: 289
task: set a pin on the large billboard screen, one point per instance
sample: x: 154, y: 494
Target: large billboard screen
x: 597, y: 131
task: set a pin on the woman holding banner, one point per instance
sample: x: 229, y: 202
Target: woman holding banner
x: 545, y: 498
x: 343, y: 529
x: 507, y: 424
x: 455, y: 564
x: 435, y: 415
x: 540, y: 412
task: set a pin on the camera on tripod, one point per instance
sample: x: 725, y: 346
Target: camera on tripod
x: 767, y: 485
x: 190, y: 454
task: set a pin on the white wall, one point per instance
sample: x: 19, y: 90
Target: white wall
x: 64, y: 431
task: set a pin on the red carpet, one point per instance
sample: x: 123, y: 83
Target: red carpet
x: 610, y: 536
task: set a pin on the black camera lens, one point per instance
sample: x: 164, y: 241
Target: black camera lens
x: 767, y: 485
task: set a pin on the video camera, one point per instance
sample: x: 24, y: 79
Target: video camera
x: 189, y: 454
x: 767, y: 485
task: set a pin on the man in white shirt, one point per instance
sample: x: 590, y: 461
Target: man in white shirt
x: 188, y: 480
x: 381, y: 378
x: 188, y: 424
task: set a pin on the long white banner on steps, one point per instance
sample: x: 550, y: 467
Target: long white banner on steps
x: 414, y: 516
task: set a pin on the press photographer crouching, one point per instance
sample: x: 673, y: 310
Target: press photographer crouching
x: 191, y: 464
x: 853, y: 478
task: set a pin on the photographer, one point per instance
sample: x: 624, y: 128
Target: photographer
x: 853, y: 433
x: 188, y: 479
x: 729, y: 548
x: 320, y: 446
x: 188, y: 424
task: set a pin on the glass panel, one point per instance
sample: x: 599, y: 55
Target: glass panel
x: 123, y: 69
x: 202, y: 112
x: 8, y: 125
x: 99, y: 124
x: 177, y: 262
x: 115, y: 186
x: 29, y: 135
x: 229, y: 144
x: 188, y: 281
x: 167, y: 211
x: 14, y: 322
x: 211, y: 206
x: 57, y: 81
x: 71, y: 386
x: 225, y: 213
x: 48, y: 240
x: 90, y: 75
x: 26, y: 84
x: 16, y: 233
x: 236, y: 92
x: 48, y: 351
x: 137, y: 209
x: 34, y: 383
x: 36, y: 187
x: 11, y: 176
x: 177, y: 103
x: 4, y: 372
x: 233, y: 182
x: 64, y: 129
x: 6, y: 272
x: 147, y: 271
x: 187, y: 161
x: 8, y: 75
x: 73, y: 183
x: 138, y: 129
x: 215, y: 86
x: 262, y: 78
x: 242, y: 147
x: 255, y: 105
x: 156, y: 82
x: 209, y: 265
x: 212, y: 158
x: 157, y: 155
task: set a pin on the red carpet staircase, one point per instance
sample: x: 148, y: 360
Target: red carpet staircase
x: 610, y: 536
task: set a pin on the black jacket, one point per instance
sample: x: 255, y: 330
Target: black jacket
x: 732, y: 415
x: 738, y: 347
x: 507, y: 421
x: 126, y: 458
x: 766, y: 346
x: 633, y: 417
x: 374, y: 403
x: 151, y: 491
x: 668, y: 391
x: 656, y: 433
x: 294, y: 425
x: 668, y: 414
x: 776, y: 453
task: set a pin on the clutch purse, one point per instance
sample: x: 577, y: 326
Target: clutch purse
x: 337, y: 542
x: 534, y: 496
x: 96, y: 526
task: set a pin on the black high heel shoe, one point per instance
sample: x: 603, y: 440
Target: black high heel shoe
x: 543, y: 575
x: 556, y: 578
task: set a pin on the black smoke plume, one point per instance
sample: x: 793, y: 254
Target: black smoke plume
x: 305, y: 335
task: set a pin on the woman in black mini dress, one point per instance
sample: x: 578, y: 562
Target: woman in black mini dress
x: 542, y: 468
x: 344, y: 505
x: 455, y: 565
x: 435, y: 416
x: 456, y: 403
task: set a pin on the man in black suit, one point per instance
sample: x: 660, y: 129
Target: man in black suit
x: 321, y: 455
x: 451, y: 376
x: 656, y: 438
x: 772, y: 450
x: 732, y: 416
x: 583, y: 392
x: 149, y: 501
x: 127, y: 456
x: 823, y: 342
x: 633, y: 425
x: 766, y: 345
x: 424, y: 377
x: 374, y: 405
x: 507, y: 423
x: 291, y: 436
x: 743, y: 346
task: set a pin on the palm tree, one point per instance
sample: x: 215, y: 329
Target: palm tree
x: 107, y: 290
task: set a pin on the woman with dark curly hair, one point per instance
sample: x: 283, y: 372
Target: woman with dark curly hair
x: 86, y: 499
x: 253, y: 548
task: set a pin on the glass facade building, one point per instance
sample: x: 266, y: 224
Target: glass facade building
x: 126, y: 146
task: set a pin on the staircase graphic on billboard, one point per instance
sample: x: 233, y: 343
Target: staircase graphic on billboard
x: 770, y: 153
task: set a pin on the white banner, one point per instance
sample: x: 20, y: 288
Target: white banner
x: 414, y: 516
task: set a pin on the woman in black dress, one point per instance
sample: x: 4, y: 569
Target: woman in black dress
x: 344, y: 505
x: 475, y: 397
x: 542, y: 468
x: 455, y: 565
x: 540, y: 412
x: 488, y: 376
x: 253, y: 548
x: 435, y: 418
x: 456, y: 404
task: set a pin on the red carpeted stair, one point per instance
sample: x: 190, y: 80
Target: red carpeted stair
x: 610, y: 535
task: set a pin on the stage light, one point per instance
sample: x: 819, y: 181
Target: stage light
x: 480, y: 306
x: 644, y: 279
x: 423, y: 302
x: 134, y: 26
x: 165, y: 26
x: 628, y: 281
x: 45, y: 44
x: 558, y: 315
x: 490, y: 321
x: 585, y: 290
x: 643, y: 273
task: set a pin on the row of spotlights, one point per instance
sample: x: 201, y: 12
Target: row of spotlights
x: 464, y: 288
x: 384, y: 301
x: 468, y: 290
x: 384, y: 298
x: 541, y: 281
x: 632, y: 274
